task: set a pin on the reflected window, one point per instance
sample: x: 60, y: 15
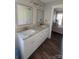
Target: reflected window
x: 23, y: 14
x: 59, y: 18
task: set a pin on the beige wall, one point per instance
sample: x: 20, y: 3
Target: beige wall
x: 35, y: 7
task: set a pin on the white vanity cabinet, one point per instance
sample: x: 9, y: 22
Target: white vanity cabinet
x: 32, y: 43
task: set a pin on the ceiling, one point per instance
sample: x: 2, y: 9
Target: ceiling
x: 48, y: 1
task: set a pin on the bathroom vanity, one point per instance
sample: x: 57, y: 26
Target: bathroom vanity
x: 30, y: 37
x: 28, y: 44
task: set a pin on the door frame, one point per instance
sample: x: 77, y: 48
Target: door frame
x: 52, y: 17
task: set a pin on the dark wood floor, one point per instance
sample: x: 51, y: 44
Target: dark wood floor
x: 50, y: 49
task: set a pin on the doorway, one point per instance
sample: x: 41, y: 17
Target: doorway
x: 58, y: 21
x: 57, y: 27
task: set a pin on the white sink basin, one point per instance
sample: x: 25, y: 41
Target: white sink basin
x: 27, y: 33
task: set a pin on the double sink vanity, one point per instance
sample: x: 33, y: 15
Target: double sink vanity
x: 31, y: 39
x: 31, y: 30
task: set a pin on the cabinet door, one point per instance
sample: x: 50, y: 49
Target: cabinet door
x: 27, y: 47
x: 42, y: 36
x: 30, y: 45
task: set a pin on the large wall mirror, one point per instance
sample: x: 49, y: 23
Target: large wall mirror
x: 23, y: 15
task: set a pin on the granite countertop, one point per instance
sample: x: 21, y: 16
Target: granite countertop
x: 37, y: 29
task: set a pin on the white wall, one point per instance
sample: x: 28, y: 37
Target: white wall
x: 48, y: 10
x: 48, y: 13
